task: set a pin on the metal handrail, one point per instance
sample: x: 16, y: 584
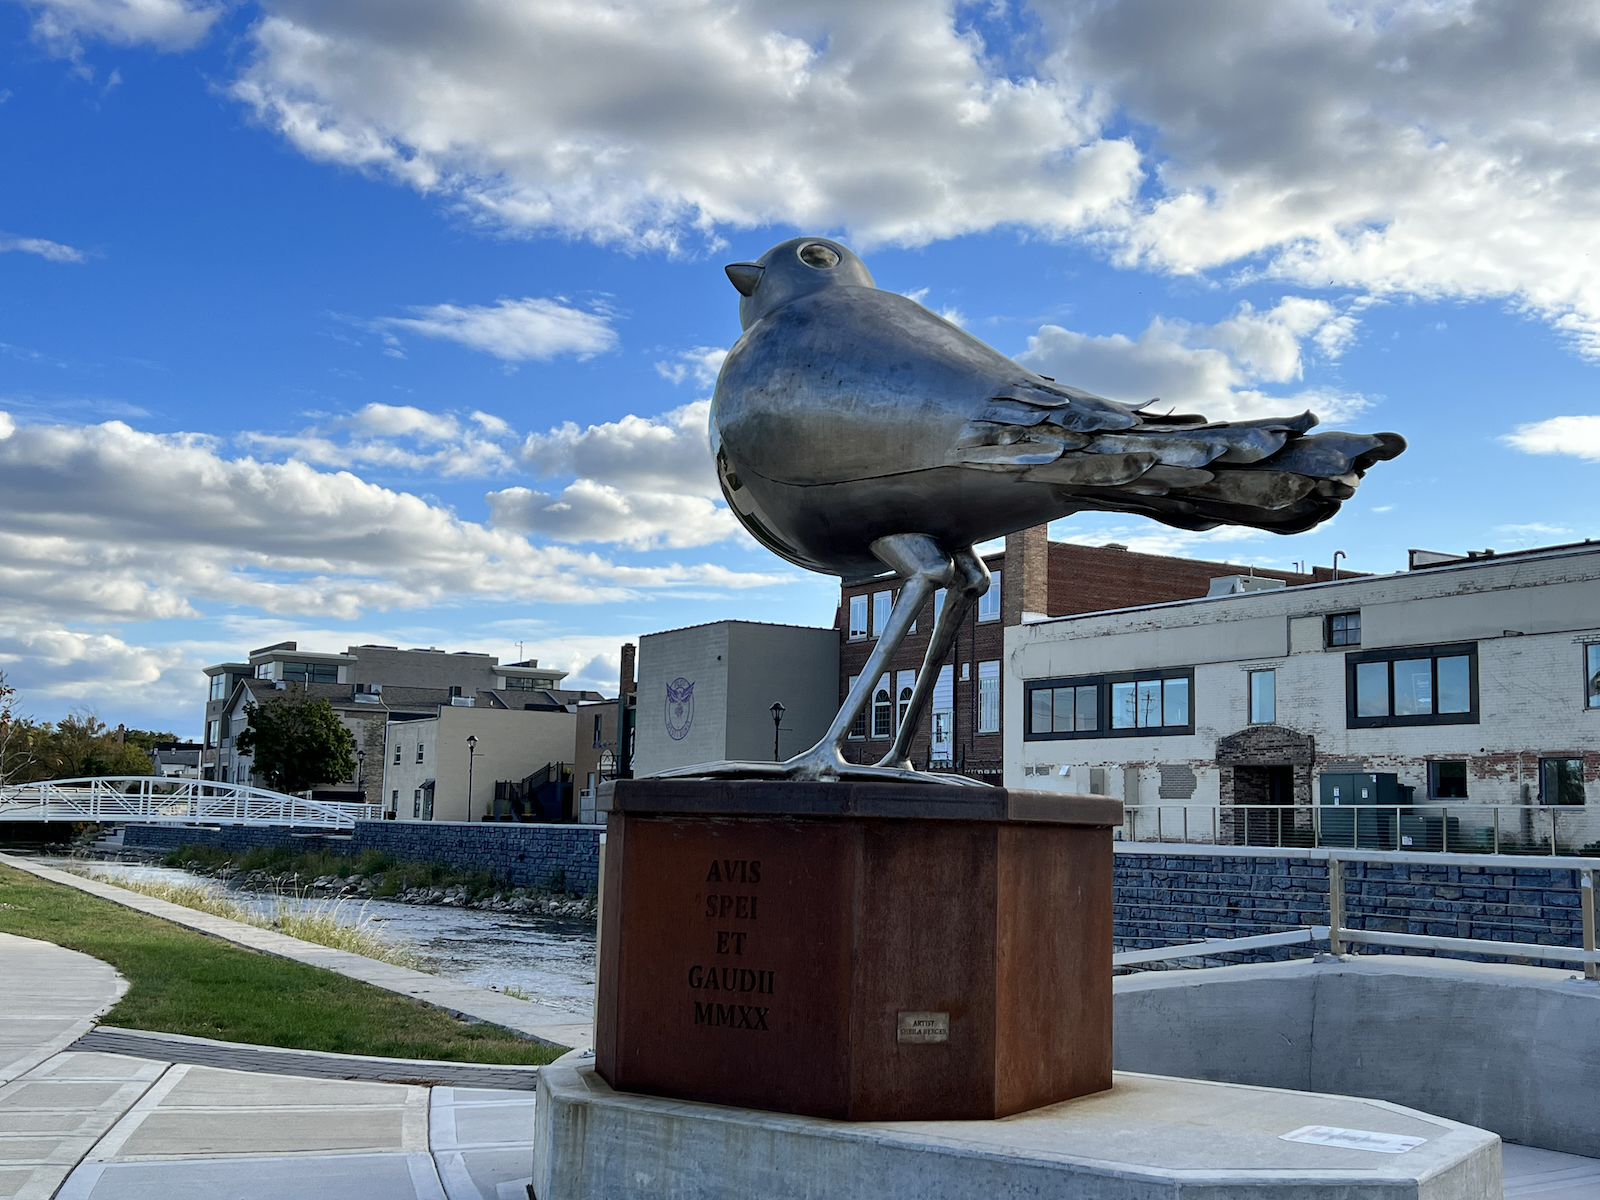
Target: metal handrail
x: 1430, y: 826
x: 151, y: 799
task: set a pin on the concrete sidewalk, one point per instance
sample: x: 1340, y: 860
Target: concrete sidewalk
x: 83, y: 1125
x: 535, y: 1021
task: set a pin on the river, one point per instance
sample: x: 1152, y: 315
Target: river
x: 551, y: 959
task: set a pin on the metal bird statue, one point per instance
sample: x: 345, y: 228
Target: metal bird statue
x: 856, y: 433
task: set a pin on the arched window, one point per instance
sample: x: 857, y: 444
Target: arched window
x: 905, y: 703
x: 882, y: 713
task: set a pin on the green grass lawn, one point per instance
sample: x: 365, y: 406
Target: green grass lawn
x: 184, y: 982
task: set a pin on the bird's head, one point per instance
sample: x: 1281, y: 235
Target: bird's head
x: 793, y: 269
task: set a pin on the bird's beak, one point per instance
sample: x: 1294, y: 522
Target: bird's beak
x: 744, y: 276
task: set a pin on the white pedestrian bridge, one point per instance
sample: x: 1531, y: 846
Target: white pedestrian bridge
x: 152, y: 800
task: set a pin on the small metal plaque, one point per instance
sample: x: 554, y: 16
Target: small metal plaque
x: 923, y: 1027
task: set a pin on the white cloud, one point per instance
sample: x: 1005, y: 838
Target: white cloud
x: 1209, y: 369
x: 513, y: 330
x: 1534, y: 533
x: 400, y: 438
x: 642, y: 122
x: 640, y: 482
x: 701, y: 364
x: 167, y: 24
x: 44, y: 248
x: 107, y: 521
x: 1577, y: 436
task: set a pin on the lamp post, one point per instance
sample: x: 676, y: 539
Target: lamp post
x: 472, y: 753
x: 1337, y: 555
x: 360, y: 785
x: 777, y: 719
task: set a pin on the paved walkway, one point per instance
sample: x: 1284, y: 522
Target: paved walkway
x: 84, y: 1125
x: 536, y: 1021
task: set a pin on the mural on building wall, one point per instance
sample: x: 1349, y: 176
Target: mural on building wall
x: 680, y: 708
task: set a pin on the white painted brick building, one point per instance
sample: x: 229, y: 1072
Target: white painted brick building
x: 1475, y: 682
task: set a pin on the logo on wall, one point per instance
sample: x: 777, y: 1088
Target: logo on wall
x: 680, y: 708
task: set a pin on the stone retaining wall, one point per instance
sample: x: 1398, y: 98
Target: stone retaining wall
x: 1163, y: 898
x: 558, y: 857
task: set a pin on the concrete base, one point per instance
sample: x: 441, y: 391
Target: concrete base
x: 1148, y: 1137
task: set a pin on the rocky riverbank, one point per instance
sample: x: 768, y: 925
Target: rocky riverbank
x: 392, y: 884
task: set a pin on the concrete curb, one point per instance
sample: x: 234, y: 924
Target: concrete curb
x: 535, y: 1022
x: 278, y: 1060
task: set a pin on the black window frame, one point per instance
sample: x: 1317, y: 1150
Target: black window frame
x: 1328, y: 630
x: 1103, y: 698
x: 1544, y: 798
x: 1394, y: 654
x: 1434, y: 792
x: 1591, y: 698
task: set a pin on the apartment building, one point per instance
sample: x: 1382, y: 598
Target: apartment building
x: 1463, y: 681
x: 368, y: 686
x: 1031, y: 579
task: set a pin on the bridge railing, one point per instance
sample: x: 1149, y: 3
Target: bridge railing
x: 148, y: 799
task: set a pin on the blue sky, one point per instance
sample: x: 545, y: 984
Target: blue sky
x: 394, y: 322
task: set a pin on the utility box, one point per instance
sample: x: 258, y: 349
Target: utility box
x: 1361, y: 810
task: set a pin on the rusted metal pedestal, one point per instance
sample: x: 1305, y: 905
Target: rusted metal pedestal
x: 868, y: 952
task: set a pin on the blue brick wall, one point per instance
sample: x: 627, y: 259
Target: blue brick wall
x: 1165, y: 898
x: 566, y: 856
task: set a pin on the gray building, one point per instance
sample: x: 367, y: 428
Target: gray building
x: 706, y: 692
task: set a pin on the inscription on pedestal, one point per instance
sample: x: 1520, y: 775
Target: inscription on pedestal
x: 720, y: 975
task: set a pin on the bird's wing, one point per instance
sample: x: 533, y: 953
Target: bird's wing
x: 1181, y: 469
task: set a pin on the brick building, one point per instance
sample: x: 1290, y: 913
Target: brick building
x: 1033, y: 578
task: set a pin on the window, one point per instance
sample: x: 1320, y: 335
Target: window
x: 989, y: 602
x: 882, y: 602
x: 1263, y: 697
x: 419, y: 751
x: 858, y: 728
x: 311, y: 672
x: 989, y: 694
x: 416, y: 803
x: 394, y: 800
x: 1591, y: 670
x: 599, y: 733
x: 213, y: 732
x: 1344, y: 629
x: 397, y: 754
x: 455, y: 692
x: 521, y: 683
x: 858, y: 618
x: 264, y: 670
x: 1141, y: 704
x: 1070, y: 709
x: 905, y: 683
x: 1561, y: 781
x: 219, y: 687
x: 1447, y: 780
x: 882, y: 710
x: 1418, y: 685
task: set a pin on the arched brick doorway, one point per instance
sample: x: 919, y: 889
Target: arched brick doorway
x: 1267, y: 766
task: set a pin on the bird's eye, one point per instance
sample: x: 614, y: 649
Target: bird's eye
x: 815, y: 254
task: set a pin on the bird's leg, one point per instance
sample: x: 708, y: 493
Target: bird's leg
x: 971, y: 580
x: 924, y: 566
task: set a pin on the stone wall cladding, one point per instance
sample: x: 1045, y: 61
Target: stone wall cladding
x: 1161, y: 899
x: 559, y: 857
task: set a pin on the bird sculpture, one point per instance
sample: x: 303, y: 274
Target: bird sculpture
x: 857, y: 433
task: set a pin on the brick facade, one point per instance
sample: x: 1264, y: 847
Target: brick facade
x: 1048, y: 578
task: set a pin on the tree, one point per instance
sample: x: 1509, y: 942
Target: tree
x: 296, y: 742
x: 17, y: 751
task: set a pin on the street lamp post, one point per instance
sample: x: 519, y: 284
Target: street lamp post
x: 472, y: 753
x: 777, y: 719
x: 360, y: 784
